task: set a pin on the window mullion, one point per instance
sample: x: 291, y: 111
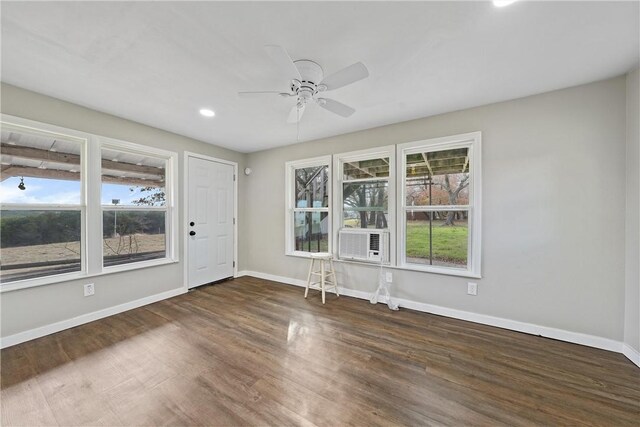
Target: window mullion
x: 93, y: 239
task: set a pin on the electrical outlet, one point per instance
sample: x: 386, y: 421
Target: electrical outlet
x: 89, y: 290
x: 472, y: 288
x: 389, y: 277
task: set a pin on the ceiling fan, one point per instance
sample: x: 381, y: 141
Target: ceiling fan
x: 308, y: 82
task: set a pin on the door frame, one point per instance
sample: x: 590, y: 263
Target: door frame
x: 185, y: 203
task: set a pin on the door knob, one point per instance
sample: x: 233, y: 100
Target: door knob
x: 192, y: 233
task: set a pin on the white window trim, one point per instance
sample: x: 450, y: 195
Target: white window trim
x: 473, y: 140
x: 90, y: 204
x: 290, y: 203
x: 171, y: 218
x: 84, y: 140
x: 337, y: 178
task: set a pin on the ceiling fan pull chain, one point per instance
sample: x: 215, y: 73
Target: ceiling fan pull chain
x: 298, y: 127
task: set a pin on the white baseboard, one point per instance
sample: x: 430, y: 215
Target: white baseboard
x: 631, y: 353
x: 528, y: 328
x: 34, y: 333
x: 514, y: 325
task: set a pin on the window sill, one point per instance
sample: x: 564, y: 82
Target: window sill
x: 431, y: 270
x: 136, y: 265
x: 50, y: 280
x: 441, y: 270
x: 41, y: 281
x: 306, y: 254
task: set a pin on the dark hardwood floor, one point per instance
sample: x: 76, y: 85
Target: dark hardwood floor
x: 253, y: 352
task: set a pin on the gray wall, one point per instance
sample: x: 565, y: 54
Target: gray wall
x: 33, y: 307
x: 554, y: 180
x: 632, y: 232
x: 553, y: 197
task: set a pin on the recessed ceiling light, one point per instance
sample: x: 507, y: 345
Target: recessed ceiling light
x: 503, y: 3
x: 207, y: 113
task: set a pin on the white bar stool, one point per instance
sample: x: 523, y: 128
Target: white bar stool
x: 327, y: 279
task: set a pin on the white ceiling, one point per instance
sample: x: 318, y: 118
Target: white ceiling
x: 159, y: 63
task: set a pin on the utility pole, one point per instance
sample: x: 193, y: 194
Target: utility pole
x: 115, y: 216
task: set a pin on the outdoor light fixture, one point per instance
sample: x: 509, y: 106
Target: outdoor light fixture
x: 21, y: 186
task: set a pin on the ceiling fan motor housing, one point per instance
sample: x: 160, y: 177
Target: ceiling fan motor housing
x: 307, y: 87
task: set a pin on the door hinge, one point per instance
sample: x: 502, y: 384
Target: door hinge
x: 234, y: 221
x: 234, y: 176
x: 234, y: 263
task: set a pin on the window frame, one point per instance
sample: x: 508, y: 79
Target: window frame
x: 338, y: 179
x: 473, y: 141
x: 30, y: 126
x: 90, y: 203
x: 171, y: 220
x: 290, y: 203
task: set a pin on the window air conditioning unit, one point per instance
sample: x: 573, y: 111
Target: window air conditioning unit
x: 361, y: 244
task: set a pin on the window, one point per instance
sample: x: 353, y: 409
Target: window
x: 43, y: 208
x: 74, y: 204
x: 308, y: 218
x: 365, y: 192
x: 134, y: 206
x: 434, y: 224
x: 440, y: 205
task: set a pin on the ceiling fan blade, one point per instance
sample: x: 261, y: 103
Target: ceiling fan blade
x: 284, y: 61
x: 336, y: 107
x: 296, y: 114
x: 261, y: 93
x: 346, y: 76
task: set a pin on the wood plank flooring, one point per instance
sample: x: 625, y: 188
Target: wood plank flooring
x: 253, y: 352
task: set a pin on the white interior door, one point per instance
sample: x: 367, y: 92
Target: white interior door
x: 210, y: 221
